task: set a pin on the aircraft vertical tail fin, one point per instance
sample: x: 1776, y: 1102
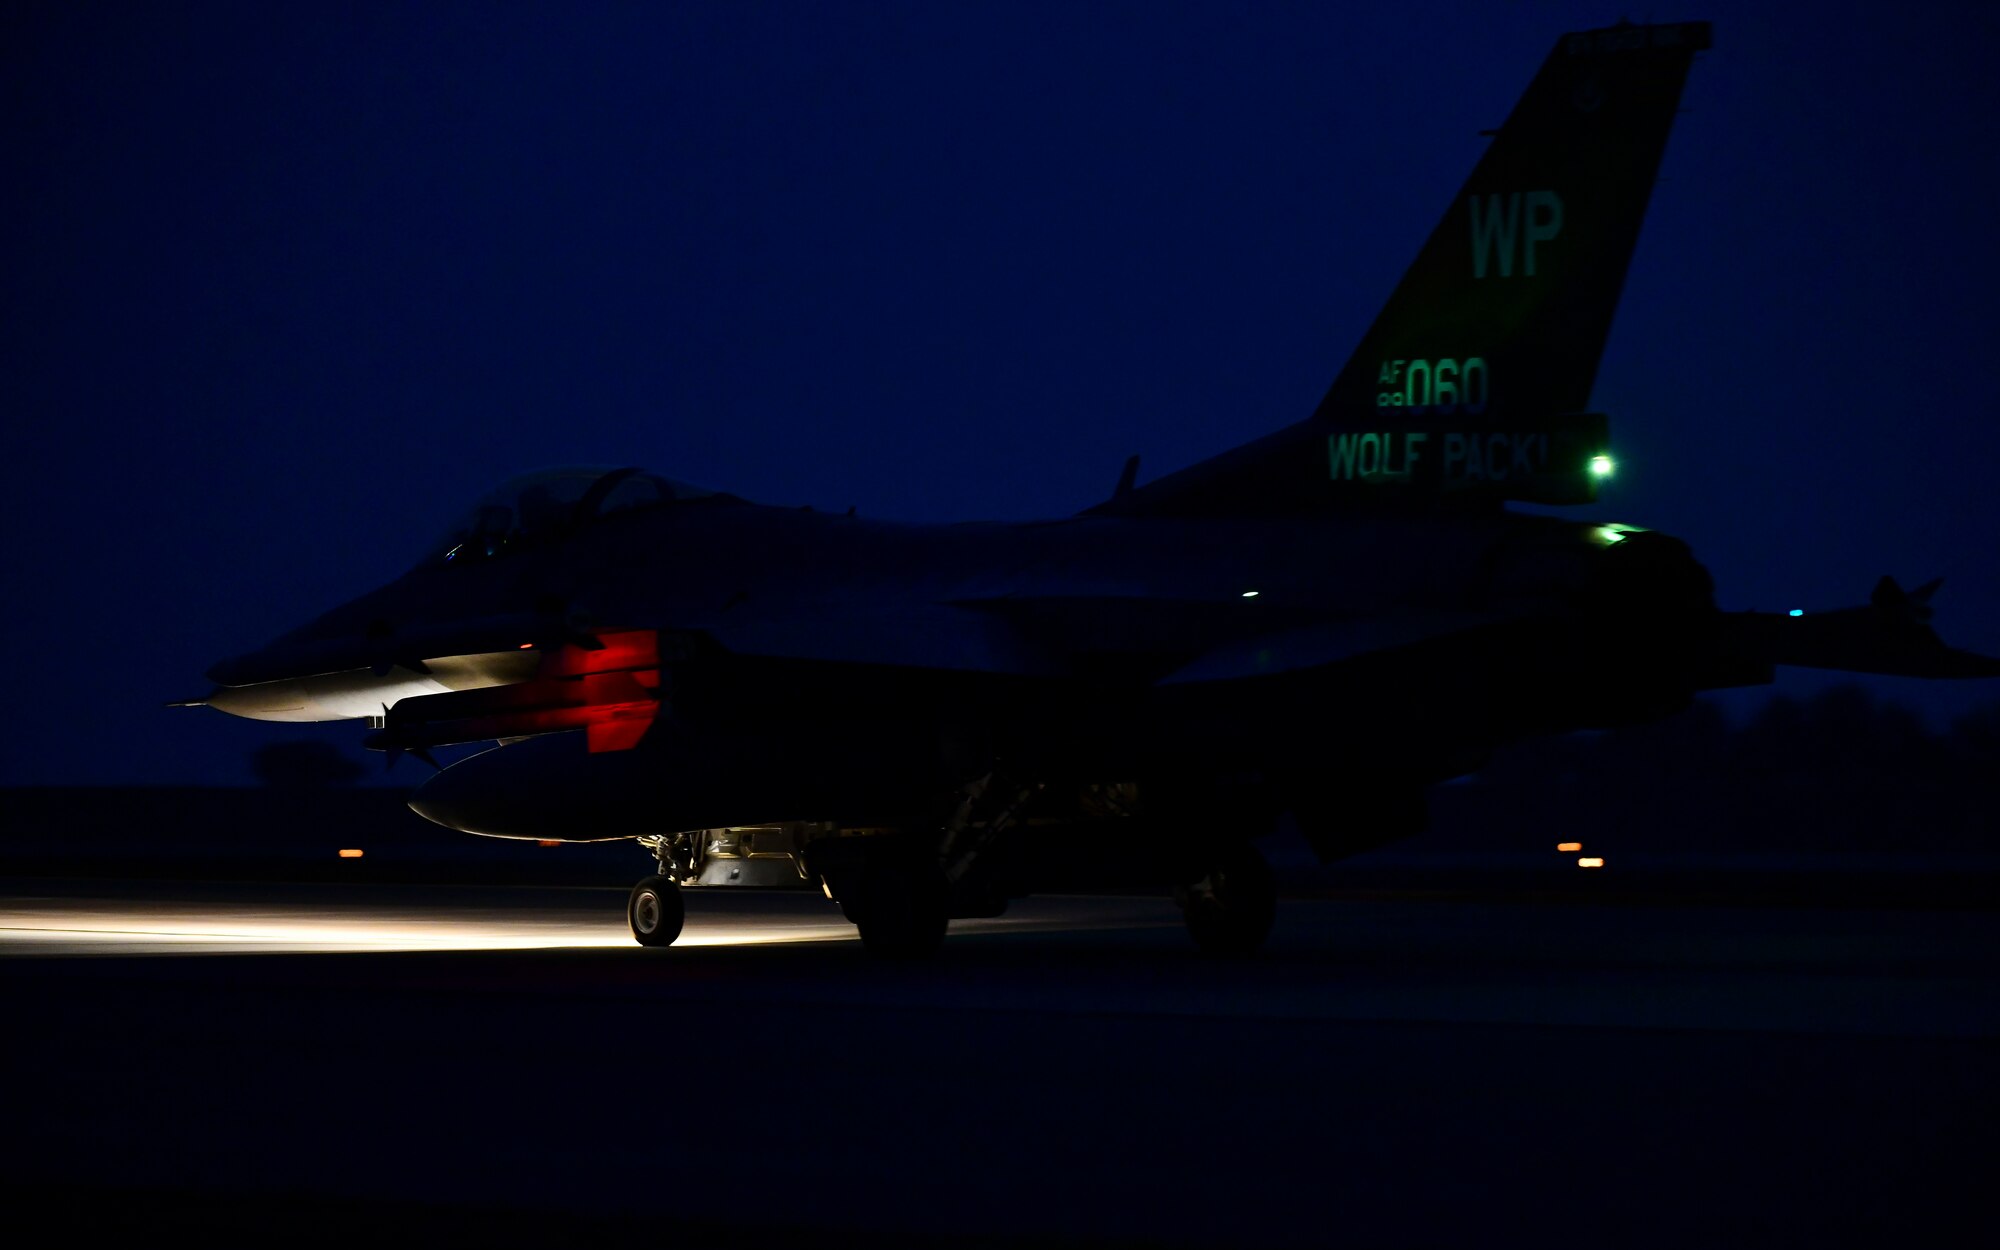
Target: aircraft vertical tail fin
x: 1475, y: 377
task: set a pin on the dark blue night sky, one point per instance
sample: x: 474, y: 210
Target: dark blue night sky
x: 288, y: 285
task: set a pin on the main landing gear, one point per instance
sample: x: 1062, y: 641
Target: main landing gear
x: 902, y: 908
x: 1230, y: 907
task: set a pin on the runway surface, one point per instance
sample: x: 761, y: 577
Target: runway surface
x: 1395, y: 1070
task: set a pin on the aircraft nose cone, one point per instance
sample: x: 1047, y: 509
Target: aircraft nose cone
x: 271, y: 700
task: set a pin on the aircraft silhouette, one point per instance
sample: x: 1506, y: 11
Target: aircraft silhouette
x: 1325, y: 621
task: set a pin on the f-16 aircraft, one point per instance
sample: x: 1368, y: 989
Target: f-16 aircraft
x: 1323, y: 622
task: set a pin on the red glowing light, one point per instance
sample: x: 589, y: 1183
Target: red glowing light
x: 613, y: 691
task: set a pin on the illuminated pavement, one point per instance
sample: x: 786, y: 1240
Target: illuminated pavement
x: 1573, y: 965
x: 302, y: 920
x: 1600, y: 1075
x: 86, y: 919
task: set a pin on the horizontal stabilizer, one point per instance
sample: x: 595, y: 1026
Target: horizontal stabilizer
x: 1890, y: 635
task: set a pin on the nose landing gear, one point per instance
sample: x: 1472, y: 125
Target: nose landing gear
x: 655, y: 911
x: 654, y: 908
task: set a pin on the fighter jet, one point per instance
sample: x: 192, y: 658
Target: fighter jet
x: 1324, y: 622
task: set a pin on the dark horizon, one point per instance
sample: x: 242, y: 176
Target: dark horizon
x: 291, y: 288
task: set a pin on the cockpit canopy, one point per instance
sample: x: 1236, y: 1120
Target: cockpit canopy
x: 552, y: 504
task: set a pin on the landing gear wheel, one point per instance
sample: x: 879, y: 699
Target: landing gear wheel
x: 1229, y: 910
x: 655, y: 911
x: 902, y: 910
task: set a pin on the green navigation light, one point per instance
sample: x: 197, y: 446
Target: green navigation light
x: 1601, y: 466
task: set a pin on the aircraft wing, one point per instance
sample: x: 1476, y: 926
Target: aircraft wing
x: 1331, y: 642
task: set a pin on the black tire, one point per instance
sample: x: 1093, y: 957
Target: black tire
x: 1230, y: 909
x: 902, y: 910
x: 655, y: 911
